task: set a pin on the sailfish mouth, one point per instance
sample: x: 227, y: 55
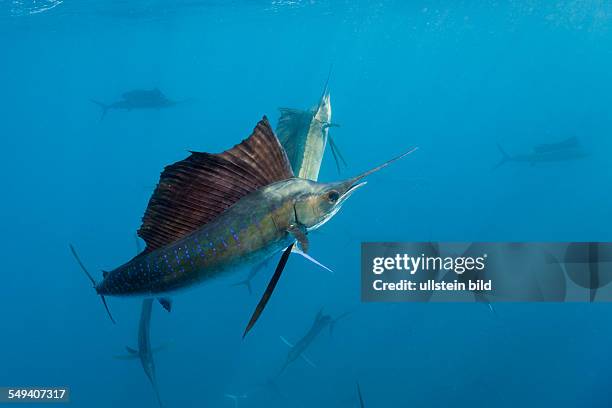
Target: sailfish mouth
x: 350, y: 192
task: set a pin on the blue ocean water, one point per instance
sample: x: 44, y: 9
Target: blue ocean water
x: 454, y: 78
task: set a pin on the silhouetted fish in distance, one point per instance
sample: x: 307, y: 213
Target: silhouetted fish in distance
x: 321, y: 322
x: 144, y: 352
x: 569, y: 143
x: 138, y: 99
x: 554, y: 152
x: 252, y: 273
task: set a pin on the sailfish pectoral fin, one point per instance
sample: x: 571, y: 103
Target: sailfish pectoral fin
x: 299, y: 233
x: 286, y: 341
x: 269, y: 290
x: 131, y: 355
x: 131, y: 350
x: 308, y: 361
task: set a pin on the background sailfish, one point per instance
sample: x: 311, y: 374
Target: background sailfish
x: 145, y: 352
x: 297, y: 350
x: 304, y: 135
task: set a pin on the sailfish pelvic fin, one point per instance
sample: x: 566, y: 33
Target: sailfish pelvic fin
x: 298, y: 251
x: 308, y: 361
x: 299, y: 233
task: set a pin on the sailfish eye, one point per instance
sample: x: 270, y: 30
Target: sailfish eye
x: 333, y: 196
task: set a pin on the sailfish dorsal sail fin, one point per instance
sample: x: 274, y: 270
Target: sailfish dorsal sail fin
x: 292, y: 129
x: 194, y: 191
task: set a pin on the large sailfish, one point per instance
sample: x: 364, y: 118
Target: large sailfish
x: 212, y: 213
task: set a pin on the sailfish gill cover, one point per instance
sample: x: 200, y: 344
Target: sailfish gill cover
x: 98, y: 97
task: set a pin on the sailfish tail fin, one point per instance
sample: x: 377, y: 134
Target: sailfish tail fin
x: 157, y: 396
x: 102, y: 106
x: 245, y: 282
x: 235, y: 398
x: 505, y: 157
x: 93, y: 282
